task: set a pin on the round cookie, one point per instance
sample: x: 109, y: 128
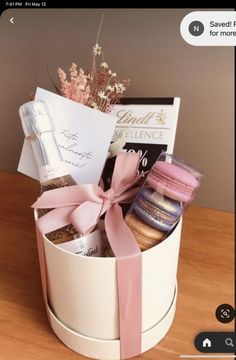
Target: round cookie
x: 157, y: 210
x: 172, y: 181
x: 146, y: 236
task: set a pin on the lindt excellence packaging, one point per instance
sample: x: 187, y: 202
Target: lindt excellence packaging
x: 147, y: 126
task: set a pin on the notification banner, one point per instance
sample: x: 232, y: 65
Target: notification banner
x: 209, y: 28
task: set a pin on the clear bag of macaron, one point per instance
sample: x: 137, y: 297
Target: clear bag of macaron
x: 170, y: 187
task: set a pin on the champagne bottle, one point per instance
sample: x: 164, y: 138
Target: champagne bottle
x: 39, y: 129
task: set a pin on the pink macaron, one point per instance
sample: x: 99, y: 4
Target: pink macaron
x: 172, y: 181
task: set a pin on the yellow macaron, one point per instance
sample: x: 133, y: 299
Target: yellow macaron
x: 145, y: 235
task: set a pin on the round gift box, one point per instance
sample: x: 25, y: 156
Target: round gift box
x: 83, y: 298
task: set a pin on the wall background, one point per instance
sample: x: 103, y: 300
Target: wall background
x: 145, y: 45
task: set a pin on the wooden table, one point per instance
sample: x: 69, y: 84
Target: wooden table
x: 206, y: 276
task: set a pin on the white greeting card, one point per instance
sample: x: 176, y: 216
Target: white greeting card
x: 83, y: 136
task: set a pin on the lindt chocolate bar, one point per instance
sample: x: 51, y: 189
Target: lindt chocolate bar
x: 148, y: 126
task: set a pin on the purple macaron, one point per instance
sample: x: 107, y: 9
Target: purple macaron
x: 157, y: 210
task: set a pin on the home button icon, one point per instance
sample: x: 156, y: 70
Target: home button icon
x: 206, y: 343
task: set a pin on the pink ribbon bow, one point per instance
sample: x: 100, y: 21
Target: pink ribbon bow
x: 82, y: 206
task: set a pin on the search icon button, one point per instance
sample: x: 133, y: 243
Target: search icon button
x: 229, y: 342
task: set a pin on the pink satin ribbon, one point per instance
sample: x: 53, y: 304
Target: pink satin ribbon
x: 82, y: 206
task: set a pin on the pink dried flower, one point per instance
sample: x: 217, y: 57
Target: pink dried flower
x: 73, y: 71
x: 62, y: 74
x: 76, y: 88
x: 99, y: 89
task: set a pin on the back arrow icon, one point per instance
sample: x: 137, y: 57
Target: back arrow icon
x: 11, y: 20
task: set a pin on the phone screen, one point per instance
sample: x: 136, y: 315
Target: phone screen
x: 171, y: 73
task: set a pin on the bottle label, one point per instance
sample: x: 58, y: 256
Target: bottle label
x: 89, y: 245
x: 48, y: 172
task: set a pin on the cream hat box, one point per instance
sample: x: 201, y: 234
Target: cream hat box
x: 83, y: 299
